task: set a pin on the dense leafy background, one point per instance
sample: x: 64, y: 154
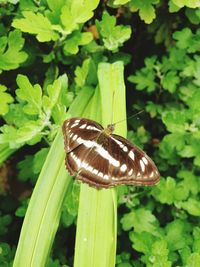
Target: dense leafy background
x: 49, y: 51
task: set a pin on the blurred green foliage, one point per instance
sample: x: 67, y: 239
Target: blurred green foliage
x: 49, y: 52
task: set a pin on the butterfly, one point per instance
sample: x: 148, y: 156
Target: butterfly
x: 102, y: 159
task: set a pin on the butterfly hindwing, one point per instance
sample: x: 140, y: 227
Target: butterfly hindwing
x: 135, y: 166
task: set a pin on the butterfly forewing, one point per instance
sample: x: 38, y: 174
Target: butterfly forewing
x: 104, y: 160
x: 76, y: 130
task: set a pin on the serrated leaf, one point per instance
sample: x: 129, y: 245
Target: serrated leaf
x: 192, y: 206
x: 76, y: 12
x: 6, y: 99
x: 178, y: 234
x: 39, y: 159
x: 175, y: 121
x: 142, y: 242
x: 30, y: 133
x: 164, y: 191
x: 82, y: 73
x: 64, y: 100
x: 191, y: 3
x: 12, y: 57
x: 51, y: 100
x: 144, y: 79
x: 159, y: 254
x: 146, y: 9
x: 183, y: 38
x: 55, y: 7
x: 172, y: 7
x: 170, y: 81
x: 113, y: 36
x: 191, y: 180
x: 36, y: 24
x: 31, y: 94
x: 76, y: 39
x: 192, y: 15
x: 16, y: 116
x: 193, y: 260
x: 141, y: 220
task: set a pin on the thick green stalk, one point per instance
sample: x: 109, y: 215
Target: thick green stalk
x: 43, y: 214
x: 97, y: 216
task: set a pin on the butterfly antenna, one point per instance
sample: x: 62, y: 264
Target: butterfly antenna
x: 132, y: 116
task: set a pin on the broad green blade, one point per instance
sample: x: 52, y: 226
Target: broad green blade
x: 97, y: 216
x: 43, y: 214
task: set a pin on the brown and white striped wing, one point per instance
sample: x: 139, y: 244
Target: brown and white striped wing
x: 88, y: 165
x: 76, y: 130
x: 103, y: 160
x: 132, y: 165
x: 112, y: 162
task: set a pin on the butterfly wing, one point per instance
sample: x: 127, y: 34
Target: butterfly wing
x: 86, y: 163
x: 103, y: 160
x: 78, y: 135
x: 135, y: 166
x: 77, y: 130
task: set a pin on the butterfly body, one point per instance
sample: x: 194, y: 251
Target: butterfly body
x: 102, y: 159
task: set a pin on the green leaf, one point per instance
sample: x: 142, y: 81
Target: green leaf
x: 76, y: 39
x: 141, y: 220
x: 82, y: 73
x: 191, y: 3
x: 170, y: 81
x: 164, y: 191
x: 159, y: 254
x: 16, y: 115
x: 55, y: 7
x: 192, y: 206
x: 5, y: 100
x: 113, y: 36
x: 142, y: 242
x: 31, y: 94
x: 146, y: 9
x: 25, y: 168
x: 120, y: 2
x: 172, y: 7
x: 192, y: 15
x: 36, y: 24
x: 143, y: 80
x: 76, y: 12
x: 51, y: 100
x: 140, y: 137
x: 39, y: 159
x: 145, y: 77
x: 11, y: 57
x: 30, y: 133
x: 63, y: 101
x: 175, y: 121
x: 178, y: 234
x: 153, y: 109
x: 183, y: 38
x: 193, y: 260
x: 189, y: 179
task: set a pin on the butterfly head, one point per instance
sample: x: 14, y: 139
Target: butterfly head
x: 109, y: 129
